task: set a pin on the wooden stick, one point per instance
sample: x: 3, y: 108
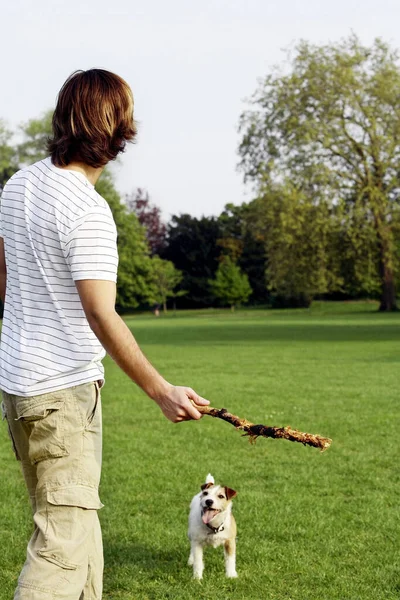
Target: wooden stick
x: 254, y: 431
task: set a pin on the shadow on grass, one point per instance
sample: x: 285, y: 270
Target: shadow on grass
x: 142, y: 557
x: 220, y: 334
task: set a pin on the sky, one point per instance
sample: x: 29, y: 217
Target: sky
x: 191, y: 66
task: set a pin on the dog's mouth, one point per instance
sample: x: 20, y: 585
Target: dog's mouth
x: 208, y: 514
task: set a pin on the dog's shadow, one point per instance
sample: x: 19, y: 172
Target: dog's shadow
x: 143, y: 557
x: 143, y: 560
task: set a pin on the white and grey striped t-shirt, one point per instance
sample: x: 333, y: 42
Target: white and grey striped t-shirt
x: 57, y: 229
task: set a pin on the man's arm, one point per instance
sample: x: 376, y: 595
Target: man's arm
x: 3, y: 271
x: 98, y: 302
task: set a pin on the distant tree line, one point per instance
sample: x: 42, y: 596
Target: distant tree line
x: 320, y: 142
x: 183, y: 263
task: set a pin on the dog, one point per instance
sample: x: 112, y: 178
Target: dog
x: 211, y: 523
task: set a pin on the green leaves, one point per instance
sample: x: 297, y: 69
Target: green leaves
x: 330, y: 126
x: 8, y: 158
x: 165, y: 279
x: 135, y: 269
x: 298, y: 235
x: 230, y: 285
x: 36, y: 133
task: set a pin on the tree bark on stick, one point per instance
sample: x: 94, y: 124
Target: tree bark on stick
x: 253, y: 431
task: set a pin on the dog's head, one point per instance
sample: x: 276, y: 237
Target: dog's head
x: 214, y: 499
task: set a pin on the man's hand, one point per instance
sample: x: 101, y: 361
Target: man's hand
x: 177, y: 406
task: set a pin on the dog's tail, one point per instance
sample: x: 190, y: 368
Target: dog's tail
x: 210, y: 479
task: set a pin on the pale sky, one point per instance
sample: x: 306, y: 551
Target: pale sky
x: 190, y: 65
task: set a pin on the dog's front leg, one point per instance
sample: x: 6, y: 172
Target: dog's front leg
x: 196, y: 555
x: 191, y: 559
x: 230, y: 558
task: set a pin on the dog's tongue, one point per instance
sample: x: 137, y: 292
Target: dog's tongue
x: 208, y: 516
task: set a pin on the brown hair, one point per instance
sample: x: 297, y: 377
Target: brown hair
x: 93, y: 119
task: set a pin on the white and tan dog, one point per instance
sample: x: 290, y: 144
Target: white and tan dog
x: 211, y: 523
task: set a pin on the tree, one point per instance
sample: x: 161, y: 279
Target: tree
x: 240, y: 240
x: 149, y: 216
x: 8, y: 160
x: 135, y: 268
x: 332, y: 126
x: 192, y: 247
x: 166, y: 278
x: 357, y: 252
x: 230, y: 285
x: 36, y: 133
x: 298, y: 234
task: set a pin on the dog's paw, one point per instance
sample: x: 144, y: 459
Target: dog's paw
x: 190, y: 561
x: 198, y: 576
x: 231, y: 574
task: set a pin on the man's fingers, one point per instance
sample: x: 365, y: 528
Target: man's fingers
x: 185, y: 417
x: 202, y: 401
x: 192, y: 412
x: 196, y: 398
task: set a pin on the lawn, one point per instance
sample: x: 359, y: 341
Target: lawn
x: 310, y: 525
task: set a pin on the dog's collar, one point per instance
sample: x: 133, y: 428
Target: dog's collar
x: 215, y: 529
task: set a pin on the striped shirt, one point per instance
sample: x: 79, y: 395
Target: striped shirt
x: 57, y: 230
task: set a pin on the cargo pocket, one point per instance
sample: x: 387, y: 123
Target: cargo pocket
x: 45, y: 416
x: 4, y: 417
x: 66, y: 524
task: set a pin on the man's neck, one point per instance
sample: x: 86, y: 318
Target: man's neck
x: 91, y: 173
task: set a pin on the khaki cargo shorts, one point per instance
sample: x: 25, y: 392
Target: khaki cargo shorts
x: 58, y: 439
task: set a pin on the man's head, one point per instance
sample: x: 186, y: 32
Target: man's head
x: 93, y: 119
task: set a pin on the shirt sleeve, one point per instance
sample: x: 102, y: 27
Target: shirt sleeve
x: 91, y: 246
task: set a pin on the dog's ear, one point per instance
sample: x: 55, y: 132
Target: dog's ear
x: 230, y: 493
x: 205, y: 486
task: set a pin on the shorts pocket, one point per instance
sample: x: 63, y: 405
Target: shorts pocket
x: 68, y: 522
x: 81, y: 496
x: 45, y: 417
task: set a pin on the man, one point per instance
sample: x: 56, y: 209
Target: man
x: 58, y: 270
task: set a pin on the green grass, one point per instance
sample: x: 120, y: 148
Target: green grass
x: 311, y: 526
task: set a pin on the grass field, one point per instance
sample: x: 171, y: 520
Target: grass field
x: 310, y: 525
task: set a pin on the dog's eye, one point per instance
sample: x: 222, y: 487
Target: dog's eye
x: 221, y: 496
x: 205, y: 493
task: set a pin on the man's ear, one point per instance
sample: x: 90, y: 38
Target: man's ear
x: 205, y: 486
x: 230, y: 493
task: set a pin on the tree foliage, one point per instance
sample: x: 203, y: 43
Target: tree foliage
x: 166, y: 279
x: 135, y: 269
x: 243, y: 243
x: 8, y: 159
x: 299, y: 239
x: 332, y: 126
x: 36, y: 133
x: 149, y: 216
x: 230, y: 285
x: 192, y: 247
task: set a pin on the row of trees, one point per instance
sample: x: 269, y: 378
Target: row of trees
x: 146, y: 275
x: 320, y: 143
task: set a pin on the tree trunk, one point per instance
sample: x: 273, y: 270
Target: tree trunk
x: 164, y: 306
x: 386, y: 255
x: 232, y: 307
x: 388, y: 296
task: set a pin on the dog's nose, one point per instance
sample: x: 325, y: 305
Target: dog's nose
x: 209, y: 502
